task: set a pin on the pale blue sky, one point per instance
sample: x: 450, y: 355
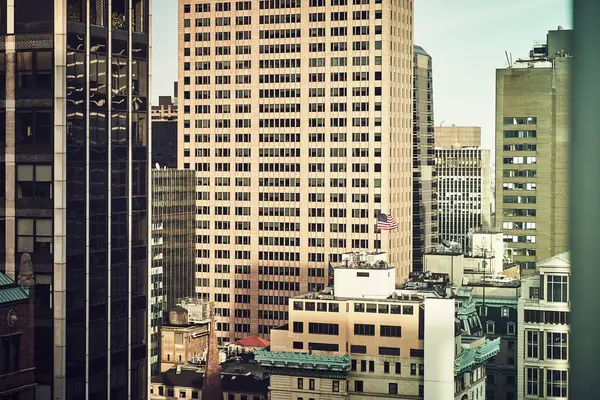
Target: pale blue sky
x: 466, y: 38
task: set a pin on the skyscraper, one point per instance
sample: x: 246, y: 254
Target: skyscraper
x: 464, y: 191
x: 532, y: 139
x: 425, y: 207
x: 75, y: 164
x: 297, y: 118
x: 173, y: 248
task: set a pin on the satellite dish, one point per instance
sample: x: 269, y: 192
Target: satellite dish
x: 157, y: 166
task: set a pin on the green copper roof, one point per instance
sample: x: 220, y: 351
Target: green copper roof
x: 420, y: 50
x: 470, y: 357
x: 302, y: 360
x: 496, y: 300
x: 5, y: 280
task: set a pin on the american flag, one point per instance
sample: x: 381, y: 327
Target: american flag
x: 386, y: 222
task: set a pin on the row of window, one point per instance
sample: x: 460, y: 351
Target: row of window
x: 556, y: 344
x: 336, y: 137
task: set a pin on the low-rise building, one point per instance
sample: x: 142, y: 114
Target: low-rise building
x: 186, y: 382
x: 181, y: 341
x: 17, y: 363
x: 544, y: 331
x: 401, y: 343
x: 299, y: 375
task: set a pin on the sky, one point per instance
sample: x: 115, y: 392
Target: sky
x: 466, y: 39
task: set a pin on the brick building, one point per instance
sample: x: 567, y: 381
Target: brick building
x: 17, y: 364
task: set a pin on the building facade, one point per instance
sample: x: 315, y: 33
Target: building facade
x: 532, y: 138
x: 173, y: 250
x: 464, y: 192
x: 164, y: 133
x: 544, y: 331
x: 401, y: 343
x: 265, y: 117
x: 75, y: 187
x: 425, y: 204
x: 17, y: 360
x: 448, y: 137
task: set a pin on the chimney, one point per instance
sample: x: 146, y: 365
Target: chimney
x: 211, y: 388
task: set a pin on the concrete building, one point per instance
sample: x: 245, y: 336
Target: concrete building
x: 405, y: 343
x: 181, y: 341
x: 544, y: 331
x: 172, y: 273
x: 448, y: 137
x: 17, y: 348
x: 241, y: 380
x: 425, y: 204
x: 164, y: 132
x: 464, y: 192
x: 289, y: 122
x: 532, y: 142
x: 75, y: 195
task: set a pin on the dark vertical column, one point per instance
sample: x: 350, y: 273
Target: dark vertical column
x: 584, y: 195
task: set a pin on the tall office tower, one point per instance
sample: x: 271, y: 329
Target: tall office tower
x: 532, y: 142
x: 164, y: 133
x: 173, y: 248
x: 296, y: 116
x: 74, y: 163
x: 425, y: 212
x: 464, y: 191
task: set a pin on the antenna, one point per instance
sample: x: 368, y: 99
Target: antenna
x: 507, y: 59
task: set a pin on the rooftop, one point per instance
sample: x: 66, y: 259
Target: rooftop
x: 559, y: 260
x: 252, y: 341
x: 194, y: 378
x: 471, y: 356
x: 327, y: 294
x: 302, y: 360
x: 10, y: 291
x: 420, y: 50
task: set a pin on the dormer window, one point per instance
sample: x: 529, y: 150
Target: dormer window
x: 490, y: 327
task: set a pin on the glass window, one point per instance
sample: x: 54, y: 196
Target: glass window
x: 557, y: 286
x: 532, y: 344
x: 34, y: 235
x: 556, y: 346
x: 34, y: 181
x: 556, y: 383
x: 533, y: 381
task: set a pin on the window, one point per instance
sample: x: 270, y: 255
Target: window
x: 298, y: 327
x: 398, y: 368
x: 335, y: 386
x: 298, y: 345
x: 389, y: 351
x: 34, y: 181
x: 323, y: 346
x: 393, y: 388
x: 532, y: 338
x: 34, y: 70
x: 510, y: 328
x: 34, y: 235
x: 556, y: 383
x: 557, y: 288
x: 390, y: 331
x: 489, y: 326
x: 358, y: 386
x: 364, y: 329
x: 533, y: 381
x: 323, y: 329
x: 300, y: 383
x: 356, y: 349
x: 195, y: 394
x: 371, y: 366
x: 9, y: 353
x: 413, y: 369
x: 183, y: 393
x: 34, y: 128
x: 556, y: 346
x: 311, y: 384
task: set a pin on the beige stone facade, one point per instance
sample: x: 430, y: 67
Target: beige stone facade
x: 381, y: 336
x: 297, y: 118
x: 532, y: 145
x: 180, y: 344
x: 448, y: 137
